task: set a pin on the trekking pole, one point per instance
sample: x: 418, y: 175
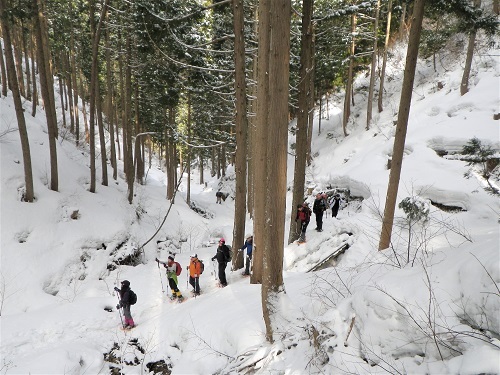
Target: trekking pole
x: 161, y: 281
x: 215, y: 273
x: 187, y: 278
x: 119, y: 312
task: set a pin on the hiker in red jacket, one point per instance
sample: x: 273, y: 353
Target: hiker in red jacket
x: 304, y: 215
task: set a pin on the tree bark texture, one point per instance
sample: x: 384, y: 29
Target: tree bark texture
x: 279, y: 59
x: 301, y: 134
x: 259, y: 154
x: 18, y: 105
x: 46, y: 85
x: 464, y: 86
x: 348, y: 86
x: 240, y: 165
x: 384, y: 59
x: 373, y: 72
x: 402, y: 125
x: 3, y: 72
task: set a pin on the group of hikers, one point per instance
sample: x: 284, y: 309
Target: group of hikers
x: 320, y: 205
x: 195, y: 268
x: 223, y: 256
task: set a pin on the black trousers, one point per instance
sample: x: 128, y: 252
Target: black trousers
x: 319, y: 220
x: 173, y: 285
x: 195, y: 283
x: 222, y: 273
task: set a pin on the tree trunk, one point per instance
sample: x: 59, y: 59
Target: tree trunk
x: 84, y: 110
x: 240, y: 165
x: 46, y: 86
x: 75, y: 85
x: 94, y: 90
x: 61, y: 96
x: 348, y: 87
x: 16, y: 38
x: 259, y: 154
x: 496, y: 7
x: 202, y: 166
x: 33, y: 74
x: 373, y: 73
x: 279, y: 59
x: 301, y: 135
x: 3, y: 72
x: 26, y: 63
x: 401, y: 128
x: 402, y: 22
x: 384, y: 61
x: 310, y: 99
x: 252, y: 109
x: 464, y: 86
x: 188, y: 156
x: 128, y: 155
x: 139, y: 141
x: 69, y: 82
x: 18, y: 105
x: 102, y: 139
x: 110, y: 109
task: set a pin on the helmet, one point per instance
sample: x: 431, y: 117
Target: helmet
x: 170, y: 257
x: 194, y: 256
x: 126, y: 283
x: 222, y: 240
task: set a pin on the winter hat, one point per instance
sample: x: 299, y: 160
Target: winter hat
x: 126, y: 283
x: 194, y: 255
x: 170, y: 257
x: 222, y: 240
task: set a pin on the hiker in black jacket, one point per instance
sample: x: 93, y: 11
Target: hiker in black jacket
x: 125, y: 303
x: 222, y: 257
x: 319, y: 207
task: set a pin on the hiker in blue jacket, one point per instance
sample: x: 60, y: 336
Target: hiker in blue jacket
x: 248, y: 258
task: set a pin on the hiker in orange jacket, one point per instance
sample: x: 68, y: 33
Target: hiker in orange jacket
x: 194, y: 273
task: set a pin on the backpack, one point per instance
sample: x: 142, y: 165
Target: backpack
x: 305, y: 214
x: 202, y: 266
x: 228, y: 254
x: 178, y: 268
x: 132, y: 297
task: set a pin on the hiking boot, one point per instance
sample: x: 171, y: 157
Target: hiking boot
x: 173, y: 296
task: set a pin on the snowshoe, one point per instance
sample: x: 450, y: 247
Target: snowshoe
x: 127, y: 327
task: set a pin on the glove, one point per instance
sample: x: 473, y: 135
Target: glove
x: 157, y: 260
x: 117, y: 289
x: 118, y: 307
x: 213, y: 259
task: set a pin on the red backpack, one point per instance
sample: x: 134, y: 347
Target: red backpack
x: 304, y: 214
x: 178, y: 268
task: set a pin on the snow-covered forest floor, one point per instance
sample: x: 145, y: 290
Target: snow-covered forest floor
x: 428, y: 305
